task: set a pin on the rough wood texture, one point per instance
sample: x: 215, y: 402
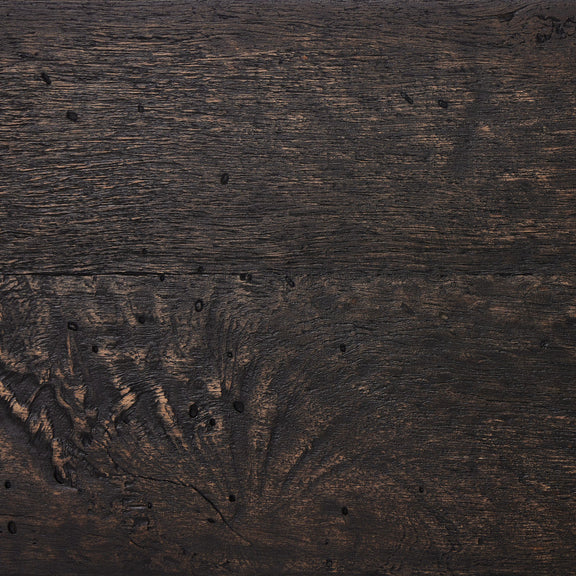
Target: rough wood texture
x: 326, y: 117
x: 287, y: 288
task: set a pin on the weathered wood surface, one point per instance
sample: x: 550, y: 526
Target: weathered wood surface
x: 438, y: 415
x: 287, y: 288
x: 324, y: 116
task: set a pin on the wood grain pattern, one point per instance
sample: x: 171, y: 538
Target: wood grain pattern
x: 388, y: 425
x: 287, y: 288
x: 324, y: 116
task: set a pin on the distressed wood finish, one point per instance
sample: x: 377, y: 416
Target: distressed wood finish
x: 378, y: 136
x: 287, y: 288
x: 384, y: 425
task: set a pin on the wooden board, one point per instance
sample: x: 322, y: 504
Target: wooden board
x: 287, y: 288
x: 325, y: 117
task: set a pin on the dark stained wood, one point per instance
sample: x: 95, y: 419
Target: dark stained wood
x: 287, y: 288
x: 439, y: 415
x: 386, y: 136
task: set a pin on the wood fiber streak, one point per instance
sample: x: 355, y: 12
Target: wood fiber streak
x: 388, y: 136
x: 287, y: 288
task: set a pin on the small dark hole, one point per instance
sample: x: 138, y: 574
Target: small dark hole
x: 46, y: 78
x: 200, y: 270
x: 162, y: 277
x: 95, y: 349
x: 149, y: 505
x: 239, y: 406
x: 198, y: 305
x: 480, y: 541
x: 211, y: 520
x: 328, y: 563
x: 225, y: 178
x: 408, y: 98
x: 342, y: 348
x: 72, y: 116
x: 12, y: 527
x: 142, y: 319
x: 232, y: 498
x: 229, y: 354
x: 212, y: 422
x: 140, y: 108
x: 290, y: 282
x: 7, y: 484
x: 73, y: 326
x: 193, y: 410
x: 442, y: 103
x: 420, y: 489
x: 344, y: 511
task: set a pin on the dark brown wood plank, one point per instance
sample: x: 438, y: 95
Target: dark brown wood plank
x: 287, y: 288
x: 384, y: 136
x: 387, y: 426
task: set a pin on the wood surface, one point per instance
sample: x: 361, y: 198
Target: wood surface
x: 288, y: 288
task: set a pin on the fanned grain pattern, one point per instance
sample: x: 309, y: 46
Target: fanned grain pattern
x: 363, y: 425
x: 287, y: 288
